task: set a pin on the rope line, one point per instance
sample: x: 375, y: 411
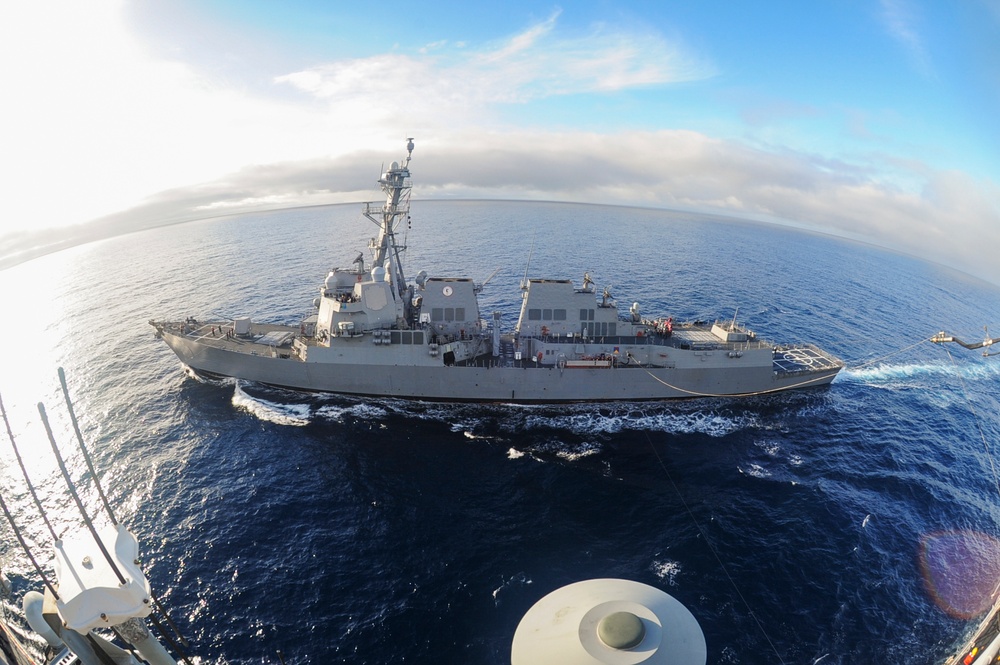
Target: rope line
x: 712, y: 549
x: 695, y: 393
x: 979, y: 425
x: 701, y: 531
x: 894, y: 353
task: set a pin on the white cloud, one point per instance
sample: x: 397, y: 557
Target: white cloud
x: 94, y: 124
x: 953, y: 218
x: 530, y: 65
x: 91, y: 123
x: 900, y: 21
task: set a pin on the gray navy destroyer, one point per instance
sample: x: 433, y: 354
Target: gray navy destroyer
x: 375, y: 333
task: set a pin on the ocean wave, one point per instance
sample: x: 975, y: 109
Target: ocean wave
x: 771, y: 448
x: 698, y: 422
x: 755, y: 471
x: 362, y: 410
x: 581, y: 419
x: 296, y: 415
x: 570, y: 452
x: 220, y: 381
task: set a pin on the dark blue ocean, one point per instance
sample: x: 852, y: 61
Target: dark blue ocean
x: 855, y: 523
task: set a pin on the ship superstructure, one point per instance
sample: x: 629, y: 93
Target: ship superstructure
x: 374, y: 332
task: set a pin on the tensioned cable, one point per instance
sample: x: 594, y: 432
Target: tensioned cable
x: 979, y: 425
x: 986, y: 447
x: 695, y: 393
x: 708, y: 542
x: 889, y: 355
x: 165, y: 635
x: 694, y: 520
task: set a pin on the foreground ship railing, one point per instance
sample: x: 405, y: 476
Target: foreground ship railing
x: 98, y: 582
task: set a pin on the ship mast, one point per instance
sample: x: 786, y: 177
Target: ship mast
x: 395, y: 182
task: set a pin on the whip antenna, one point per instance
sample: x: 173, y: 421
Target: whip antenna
x: 24, y: 472
x: 76, y: 497
x: 83, y: 448
x: 104, y: 499
x: 27, y: 550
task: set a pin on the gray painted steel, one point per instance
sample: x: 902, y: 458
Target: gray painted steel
x: 375, y: 333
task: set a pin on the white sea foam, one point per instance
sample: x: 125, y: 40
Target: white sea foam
x: 221, y: 381
x: 579, y: 451
x: 514, y: 453
x: 471, y: 419
x: 881, y: 374
x: 519, y: 578
x: 755, y: 471
x: 696, y: 422
x: 296, y: 415
x: 570, y: 452
x: 364, y: 411
x: 666, y: 570
x: 770, y: 448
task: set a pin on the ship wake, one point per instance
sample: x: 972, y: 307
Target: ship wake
x: 297, y: 415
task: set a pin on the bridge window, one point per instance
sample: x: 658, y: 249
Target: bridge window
x: 534, y: 315
x: 558, y: 315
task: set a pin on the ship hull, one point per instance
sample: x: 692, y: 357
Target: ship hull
x: 376, y: 333
x: 525, y: 383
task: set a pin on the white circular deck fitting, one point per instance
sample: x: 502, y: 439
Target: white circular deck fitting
x: 621, y: 630
x: 608, y: 622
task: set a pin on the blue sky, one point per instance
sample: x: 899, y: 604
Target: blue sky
x: 874, y: 120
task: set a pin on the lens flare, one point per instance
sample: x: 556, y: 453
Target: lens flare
x: 961, y: 571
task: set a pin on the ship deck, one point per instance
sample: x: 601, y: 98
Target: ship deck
x: 274, y: 340
x: 261, y: 341
x: 803, y: 359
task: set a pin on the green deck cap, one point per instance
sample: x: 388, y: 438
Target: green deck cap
x: 621, y: 630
